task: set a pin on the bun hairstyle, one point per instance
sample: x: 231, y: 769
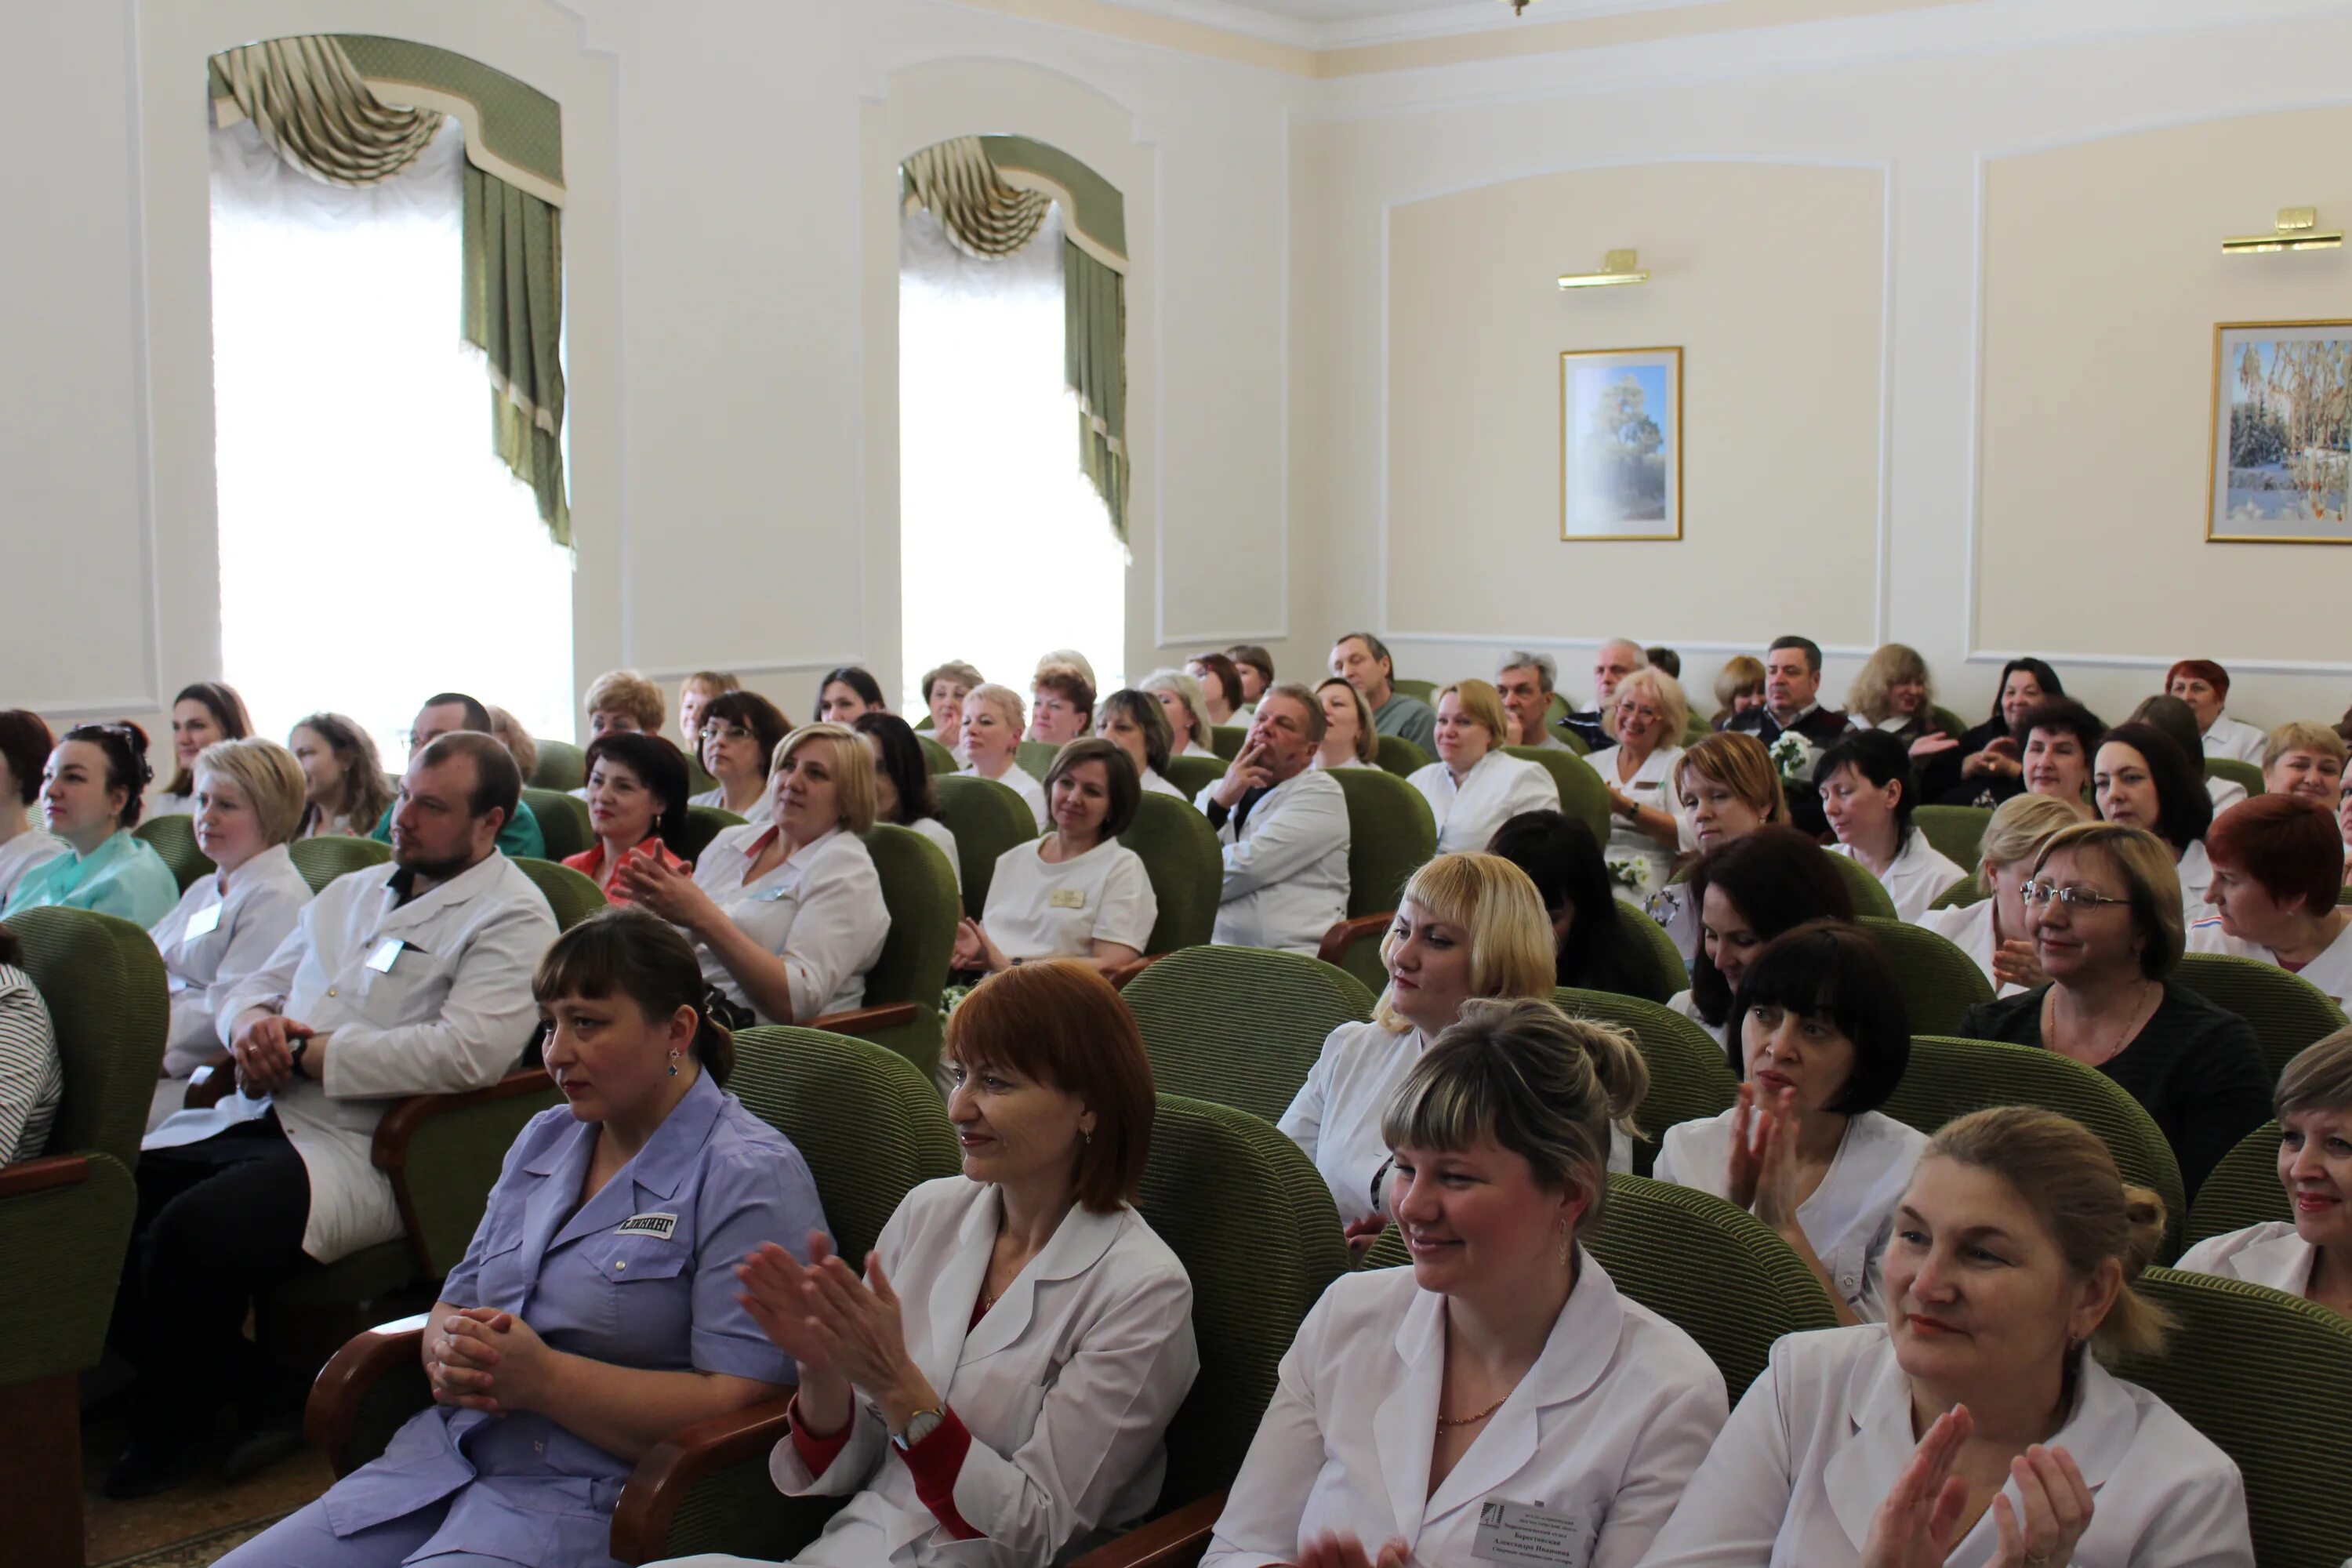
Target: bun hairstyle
x: 628, y: 951
x: 2066, y: 1176
x: 126, y: 769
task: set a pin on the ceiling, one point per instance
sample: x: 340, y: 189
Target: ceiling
x: 1330, y: 23
x: 1351, y: 10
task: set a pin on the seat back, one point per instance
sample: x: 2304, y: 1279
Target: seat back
x: 703, y: 823
x: 1400, y: 756
x: 1572, y: 741
x: 561, y: 766
x: 1690, y: 1077
x: 564, y: 825
x: 322, y: 860
x: 937, y: 759
x: 1966, y: 890
x: 1036, y: 758
x: 2288, y: 1012
x: 1193, y: 772
x: 2241, y: 1189
x: 1938, y: 982
x: 2244, y: 774
x: 1392, y: 834
x: 920, y: 892
x: 1670, y: 975
x: 1227, y: 740
x: 987, y: 818
x: 1240, y: 1026
x: 1948, y: 1078
x: 2244, y: 1357
x: 1951, y: 723
x: 1426, y: 691
x: 175, y: 838
x: 572, y: 896
x: 1869, y: 894
x: 1582, y: 795
x: 698, y: 777
x: 1254, y: 1226
x: 1180, y: 854
x: 103, y: 982
x: 1955, y: 832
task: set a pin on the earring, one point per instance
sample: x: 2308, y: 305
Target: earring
x: 1086, y: 1136
x: 673, y: 1061
x: 1566, y: 1244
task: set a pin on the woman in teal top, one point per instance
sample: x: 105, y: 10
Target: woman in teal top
x: 89, y: 795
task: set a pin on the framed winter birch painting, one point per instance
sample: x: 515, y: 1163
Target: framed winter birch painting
x: 2282, y: 437
x: 1621, y: 444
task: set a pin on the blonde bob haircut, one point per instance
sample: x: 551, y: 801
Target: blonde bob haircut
x: 2021, y: 826
x: 2064, y: 1172
x: 1897, y: 664
x: 1188, y: 692
x: 509, y: 731
x: 1481, y: 704
x: 852, y: 770
x: 1001, y: 701
x: 626, y: 691
x: 1512, y: 953
x: 267, y: 774
x: 1739, y: 762
x: 2152, y: 883
x: 1664, y: 693
x: 2301, y: 735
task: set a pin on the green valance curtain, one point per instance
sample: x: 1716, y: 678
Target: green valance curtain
x: 991, y: 195
x: 338, y: 121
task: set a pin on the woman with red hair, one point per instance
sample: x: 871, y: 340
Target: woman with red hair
x: 2205, y: 686
x: 2278, y: 864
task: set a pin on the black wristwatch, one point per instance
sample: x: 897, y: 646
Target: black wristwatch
x: 294, y: 1055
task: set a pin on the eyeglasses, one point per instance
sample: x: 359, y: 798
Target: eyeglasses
x: 1640, y: 715
x: 2073, y: 898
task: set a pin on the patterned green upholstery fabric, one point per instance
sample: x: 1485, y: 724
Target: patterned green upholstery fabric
x: 2263, y: 1375
x: 1194, y: 773
x: 1227, y: 740
x: 2242, y: 774
x: 1938, y: 982
x: 1179, y: 853
x: 563, y: 824
x: 322, y: 860
x: 1955, y: 832
x: 703, y: 823
x: 561, y: 766
x: 1036, y: 758
x: 937, y: 759
x: 454, y: 1160
x: 987, y: 818
x: 1966, y: 890
x: 1672, y: 975
x: 1690, y: 1078
x: 2243, y: 1189
x: 1240, y: 1026
x: 1582, y: 794
x: 175, y: 838
x: 1392, y: 834
x: 1425, y: 689
x: 1868, y: 892
x: 1400, y: 756
x: 2289, y: 1013
x: 572, y: 896
x: 920, y: 892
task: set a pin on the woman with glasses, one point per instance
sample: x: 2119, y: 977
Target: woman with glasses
x: 740, y: 731
x: 2102, y: 910
x: 1651, y: 713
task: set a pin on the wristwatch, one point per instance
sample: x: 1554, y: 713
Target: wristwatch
x: 294, y: 1056
x: 919, y: 1426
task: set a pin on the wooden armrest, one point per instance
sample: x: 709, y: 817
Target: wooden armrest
x: 1175, y: 1540
x: 662, y: 1481
x: 1119, y: 976
x: 334, y: 1403
x: 40, y: 1175
x: 868, y: 1020
x: 211, y: 1083
x: 401, y: 1122
x: 1347, y: 933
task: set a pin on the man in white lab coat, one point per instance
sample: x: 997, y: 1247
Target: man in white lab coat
x: 403, y: 979
x: 1283, y: 829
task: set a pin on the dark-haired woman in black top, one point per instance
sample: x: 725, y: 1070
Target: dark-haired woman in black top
x: 1598, y: 949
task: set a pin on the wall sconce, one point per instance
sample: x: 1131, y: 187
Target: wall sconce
x: 2298, y: 229
x: 1617, y: 267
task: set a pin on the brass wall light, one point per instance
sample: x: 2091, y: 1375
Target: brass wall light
x: 2298, y: 229
x: 1617, y: 267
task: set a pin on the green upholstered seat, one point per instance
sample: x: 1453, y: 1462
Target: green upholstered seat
x: 1955, y: 832
x: 2289, y: 1013
x: 563, y: 766
x: 1582, y: 794
x: 1869, y: 894
x: 1194, y: 772
x: 1948, y: 1077
x: 322, y: 860
x: 564, y: 825
x: 703, y: 823
x: 175, y: 838
x: 2241, y: 1189
x: 1951, y: 724
x: 1670, y: 975
x: 1036, y: 758
x: 937, y: 759
x: 1966, y: 890
x: 987, y: 818
x: 1180, y: 854
x: 1227, y: 740
x: 1690, y: 1077
x: 572, y: 896
x: 1425, y: 691
x: 2242, y: 774
x: 1697, y: 727
x: 2263, y: 1375
x: 698, y: 777
x: 1240, y: 1026
x: 1392, y: 834
x: 1400, y: 756
x: 1938, y: 982
x: 918, y: 891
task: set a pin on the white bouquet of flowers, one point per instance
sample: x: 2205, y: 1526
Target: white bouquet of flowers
x: 1630, y: 874
x: 1790, y: 754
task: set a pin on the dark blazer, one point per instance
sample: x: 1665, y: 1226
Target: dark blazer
x: 1821, y: 727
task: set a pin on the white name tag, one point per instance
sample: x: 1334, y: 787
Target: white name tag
x: 661, y: 1225
x: 204, y: 922
x: 386, y: 951
x: 1068, y: 898
x: 1524, y: 1532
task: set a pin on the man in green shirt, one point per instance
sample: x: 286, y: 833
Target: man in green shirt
x: 1362, y: 660
x: 446, y: 714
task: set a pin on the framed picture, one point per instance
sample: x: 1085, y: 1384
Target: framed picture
x: 2281, y: 433
x: 1621, y: 444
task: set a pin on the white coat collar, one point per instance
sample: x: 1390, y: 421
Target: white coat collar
x: 2282, y: 1262
x: 275, y: 861
x: 1078, y: 1245
x: 467, y: 885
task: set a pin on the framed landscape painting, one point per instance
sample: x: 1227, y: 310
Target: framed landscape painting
x: 1621, y: 444
x: 2281, y: 439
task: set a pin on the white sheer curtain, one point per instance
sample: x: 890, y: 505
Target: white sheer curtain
x: 1004, y: 550
x: 374, y: 551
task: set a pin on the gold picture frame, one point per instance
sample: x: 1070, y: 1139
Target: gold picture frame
x: 2278, y: 465
x: 1621, y: 444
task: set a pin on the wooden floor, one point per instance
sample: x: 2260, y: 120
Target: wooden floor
x: 189, y: 1526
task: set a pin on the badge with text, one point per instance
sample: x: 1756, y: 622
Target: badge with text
x: 1068, y: 898
x: 1526, y: 1532
x: 204, y: 922
x: 661, y: 1225
x: 381, y: 960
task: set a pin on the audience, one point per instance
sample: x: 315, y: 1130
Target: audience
x: 1866, y: 789
x: 744, y: 903
x: 510, y: 732
x: 1594, y: 943
x: 554, y: 1365
x: 1739, y: 688
x: 1527, y: 682
x: 90, y: 791
x: 1823, y: 1040
x: 637, y: 807
x: 2007, y: 1284
x: 32, y: 1076
x: 202, y: 714
x: 1254, y: 665
x: 1136, y: 723
x: 945, y: 687
x: 249, y: 798
x: 2171, y: 717
x: 694, y: 695
x: 2278, y: 864
x: 1645, y: 833
x: 25, y: 747
x: 2205, y: 686
x: 902, y: 784
x: 2142, y: 780
x: 2059, y: 741
x: 1221, y: 686
x: 1020, y: 1337
x: 344, y: 789
x: 2306, y: 760
x: 1749, y: 891
x: 1992, y: 929
x: 1350, y: 739
x: 624, y: 700
x: 1986, y: 766
x: 2311, y: 1254
x: 1475, y: 785
x: 992, y: 739
x: 1727, y: 788
x: 1282, y: 828
x: 1611, y: 663
x: 1180, y: 698
x: 1077, y: 892
x: 846, y: 695
x: 1062, y: 701
x: 741, y: 732
x: 1504, y: 1363
x: 1362, y: 660
x: 2103, y: 913
x: 407, y: 978
x: 451, y: 713
x: 1893, y: 692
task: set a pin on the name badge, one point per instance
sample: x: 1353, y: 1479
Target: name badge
x: 386, y: 951
x: 204, y: 922
x: 772, y: 894
x: 661, y: 1225
x: 1068, y: 898
x: 1525, y: 1532
x: 1645, y: 783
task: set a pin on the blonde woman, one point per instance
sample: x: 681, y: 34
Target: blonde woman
x: 2304, y: 758
x: 1738, y: 687
x: 1992, y: 930
x: 624, y: 700
x: 1350, y: 741
x: 1187, y: 709
x: 1649, y: 714
x: 1726, y: 788
x: 1893, y: 692
x: 694, y: 695
x: 1475, y: 786
x: 511, y: 733
x: 992, y: 728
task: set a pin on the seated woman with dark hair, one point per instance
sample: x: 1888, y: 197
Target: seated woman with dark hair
x: 1823, y: 1040
x: 2142, y: 780
x: 1077, y: 892
x: 1726, y: 787
x: 344, y: 789
x: 90, y: 798
x: 2278, y: 866
x: 637, y: 804
x: 1598, y: 949
x: 1136, y: 724
x: 1221, y: 686
x: 2311, y: 1254
x: 25, y: 747
x: 1747, y: 893
x: 902, y: 784
x: 741, y: 732
x: 32, y: 1076
x: 582, y: 1328
x: 202, y: 714
x: 1986, y: 766
x: 1350, y: 739
x: 1866, y: 795
x: 846, y: 695
x: 2058, y: 742
x: 2172, y: 718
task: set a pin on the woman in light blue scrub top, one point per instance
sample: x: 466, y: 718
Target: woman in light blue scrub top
x: 595, y: 1312
x: 90, y: 798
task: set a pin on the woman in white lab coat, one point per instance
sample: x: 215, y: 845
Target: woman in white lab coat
x: 2311, y: 1254
x: 1475, y: 786
x: 1726, y: 787
x: 1466, y: 926
x: 1823, y: 1040
x: 1992, y: 930
x: 1865, y: 784
x: 1638, y: 771
x: 994, y: 721
x: 2278, y: 864
x: 1020, y: 1337
x: 1978, y: 1427
x: 1498, y: 1400
x: 1077, y: 892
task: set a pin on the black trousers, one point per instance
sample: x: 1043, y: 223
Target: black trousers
x: 219, y: 1223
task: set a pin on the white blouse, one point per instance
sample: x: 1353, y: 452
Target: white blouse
x: 163, y: 803
x: 1650, y: 785
x: 1683, y: 1002
x: 1041, y: 910
x: 2331, y: 971
x: 1154, y: 784
x: 2270, y: 1253
x: 210, y: 942
x: 2196, y: 877
x: 1335, y: 1118
x: 832, y: 882
x: 30, y: 848
x: 1969, y: 928
x: 1499, y: 787
x: 1018, y: 780
x: 2233, y: 738
x: 762, y: 809
x: 1352, y: 762
x: 1918, y: 875
x: 932, y: 829
x: 1849, y: 1220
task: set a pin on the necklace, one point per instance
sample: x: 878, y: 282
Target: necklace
x: 1448, y: 1423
